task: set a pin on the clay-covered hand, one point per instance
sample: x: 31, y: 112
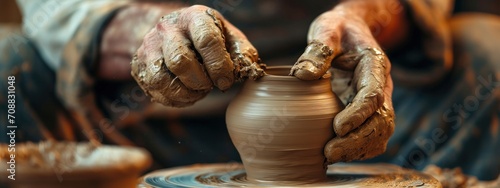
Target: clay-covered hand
x: 188, y: 52
x: 360, y: 78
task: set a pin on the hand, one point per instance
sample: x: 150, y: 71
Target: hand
x: 188, y: 52
x: 361, y: 78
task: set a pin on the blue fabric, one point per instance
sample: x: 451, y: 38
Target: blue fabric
x: 456, y: 123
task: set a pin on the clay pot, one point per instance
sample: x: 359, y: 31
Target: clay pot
x: 280, y: 125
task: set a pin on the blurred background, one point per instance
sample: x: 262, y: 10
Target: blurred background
x: 9, y: 12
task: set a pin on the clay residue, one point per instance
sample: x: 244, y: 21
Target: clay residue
x: 343, y: 175
x: 371, y: 85
x: 366, y: 124
x: 190, y: 51
x: 206, y: 31
x: 162, y: 85
x: 48, y: 155
x: 365, y: 142
x: 314, y: 62
x: 454, y: 178
x: 74, y: 156
x: 247, y: 63
x: 246, y: 68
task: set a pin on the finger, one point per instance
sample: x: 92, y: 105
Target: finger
x: 370, y: 79
x: 180, y: 59
x: 324, y: 45
x: 174, y: 92
x: 243, y: 54
x: 206, y: 32
x: 156, y: 80
x: 314, y: 62
x: 366, y: 142
x: 147, y: 52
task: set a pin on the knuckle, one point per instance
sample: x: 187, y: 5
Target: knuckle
x: 201, y: 10
x: 151, y: 33
x: 198, y: 8
x: 170, y: 91
x: 136, y: 66
x: 208, y: 40
x: 322, y: 18
x: 167, y: 28
x: 161, y: 26
x: 249, y: 51
x: 384, y: 125
x: 157, y: 79
x: 139, y: 55
x: 151, y: 44
x: 376, y: 96
x: 177, y: 63
x: 379, y: 94
x: 171, y: 18
x: 386, y: 65
x: 150, y: 38
x: 136, y: 60
x: 204, y: 9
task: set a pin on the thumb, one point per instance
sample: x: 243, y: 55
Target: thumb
x: 323, y: 45
x: 314, y: 62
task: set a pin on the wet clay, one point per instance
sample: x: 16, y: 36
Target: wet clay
x: 70, y: 164
x: 314, y: 62
x: 190, y: 51
x: 280, y: 125
x: 338, y: 175
x: 363, y: 128
x: 48, y: 155
x: 454, y: 178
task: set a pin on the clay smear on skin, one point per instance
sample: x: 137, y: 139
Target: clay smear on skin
x: 314, y: 62
x: 173, y: 82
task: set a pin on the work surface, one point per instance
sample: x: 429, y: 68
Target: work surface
x: 339, y: 175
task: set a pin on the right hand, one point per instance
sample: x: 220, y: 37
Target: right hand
x: 342, y: 39
x: 188, y: 52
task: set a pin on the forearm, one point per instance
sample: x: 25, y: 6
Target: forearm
x: 387, y: 19
x: 123, y: 35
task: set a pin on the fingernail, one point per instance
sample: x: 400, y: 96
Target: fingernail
x: 307, y: 71
x: 223, y: 83
x: 309, y: 66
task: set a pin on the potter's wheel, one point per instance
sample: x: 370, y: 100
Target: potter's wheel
x: 340, y: 175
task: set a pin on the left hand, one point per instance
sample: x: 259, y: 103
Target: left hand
x: 347, y: 44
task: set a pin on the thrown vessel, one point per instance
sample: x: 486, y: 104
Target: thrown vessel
x: 280, y: 125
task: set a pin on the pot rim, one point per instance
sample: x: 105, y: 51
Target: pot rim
x: 286, y: 73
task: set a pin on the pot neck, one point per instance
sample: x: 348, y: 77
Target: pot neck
x: 278, y: 82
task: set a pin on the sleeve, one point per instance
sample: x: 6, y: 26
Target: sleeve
x: 431, y: 57
x: 66, y: 34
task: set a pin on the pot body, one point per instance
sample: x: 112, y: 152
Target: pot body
x: 280, y: 125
